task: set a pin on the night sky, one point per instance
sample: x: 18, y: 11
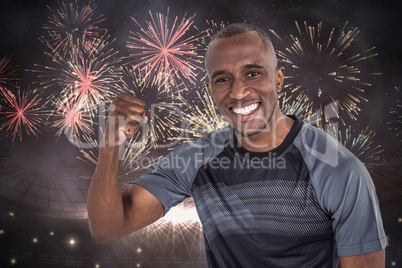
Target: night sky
x: 51, y: 157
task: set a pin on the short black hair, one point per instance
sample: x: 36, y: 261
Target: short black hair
x: 239, y: 28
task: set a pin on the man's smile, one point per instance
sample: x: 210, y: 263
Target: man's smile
x: 247, y: 112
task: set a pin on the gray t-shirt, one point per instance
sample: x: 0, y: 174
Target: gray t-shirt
x: 302, y: 204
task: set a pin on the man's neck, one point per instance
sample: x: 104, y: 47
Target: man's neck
x: 271, y: 137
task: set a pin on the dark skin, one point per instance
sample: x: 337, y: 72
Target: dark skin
x: 112, y: 213
x: 244, y: 75
x: 243, y: 80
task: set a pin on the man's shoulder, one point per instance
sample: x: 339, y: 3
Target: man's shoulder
x: 332, y: 167
x: 215, y: 140
x: 320, y: 148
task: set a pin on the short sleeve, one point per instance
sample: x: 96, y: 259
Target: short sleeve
x: 345, y: 191
x: 167, y: 179
x: 171, y: 178
x: 356, y: 215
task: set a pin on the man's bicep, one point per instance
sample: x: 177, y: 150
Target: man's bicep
x: 374, y: 259
x: 141, y: 208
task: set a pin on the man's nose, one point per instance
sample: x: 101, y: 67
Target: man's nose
x: 239, y: 90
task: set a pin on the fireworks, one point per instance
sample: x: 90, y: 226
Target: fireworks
x: 213, y: 28
x: 203, y: 118
x: 134, y: 156
x: 83, y: 64
x: 197, y: 119
x: 131, y: 81
x: 80, y: 86
x: 361, y: 146
x: 396, y: 112
x: 21, y: 111
x: 89, y: 79
x: 165, y: 118
x: 166, y: 58
x: 301, y: 107
x: 7, y: 74
x: 72, y: 29
x: 73, y: 119
x: 324, y: 68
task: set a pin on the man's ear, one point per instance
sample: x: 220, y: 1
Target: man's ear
x: 279, y: 78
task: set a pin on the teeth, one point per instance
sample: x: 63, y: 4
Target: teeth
x: 245, y: 110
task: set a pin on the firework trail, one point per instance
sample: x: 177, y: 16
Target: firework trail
x: 213, y: 28
x: 301, y: 107
x: 8, y: 74
x: 21, y: 111
x: 73, y: 119
x: 199, y: 117
x: 166, y: 58
x: 324, y: 68
x: 166, y: 118
x: 203, y: 118
x: 361, y: 146
x: 396, y: 112
x: 89, y: 79
x: 130, y: 81
x: 72, y: 29
x: 90, y: 155
x: 135, y: 155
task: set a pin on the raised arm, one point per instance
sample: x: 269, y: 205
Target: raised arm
x: 113, y: 214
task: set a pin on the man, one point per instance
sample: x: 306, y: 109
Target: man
x: 270, y: 190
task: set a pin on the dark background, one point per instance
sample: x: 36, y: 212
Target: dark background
x: 49, y: 164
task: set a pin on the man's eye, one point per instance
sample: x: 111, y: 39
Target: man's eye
x: 252, y: 74
x: 221, y: 80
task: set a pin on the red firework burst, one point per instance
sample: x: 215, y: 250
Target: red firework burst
x: 88, y: 79
x: 8, y: 74
x: 21, y: 111
x: 165, y: 56
x: 72, y: 27
x: 72, y: 119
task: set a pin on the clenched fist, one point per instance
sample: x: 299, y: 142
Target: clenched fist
x: 125, y: 118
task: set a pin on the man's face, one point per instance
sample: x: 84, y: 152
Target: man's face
x: 243, y: 81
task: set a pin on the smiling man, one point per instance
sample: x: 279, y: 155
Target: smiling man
x: 244, y: 82
x: 270, y: 190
